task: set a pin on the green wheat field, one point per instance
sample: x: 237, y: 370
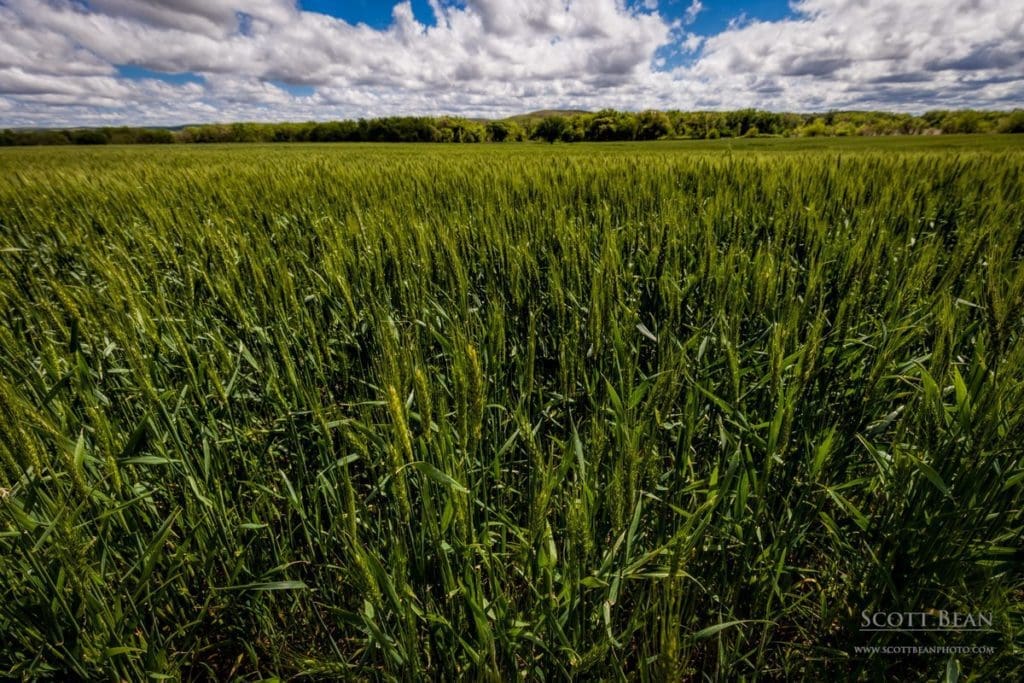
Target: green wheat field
x: 665, y: 411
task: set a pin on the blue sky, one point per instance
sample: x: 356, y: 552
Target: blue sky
x: 371, y: 12
x: 715, y: 16
x: 166, y: 62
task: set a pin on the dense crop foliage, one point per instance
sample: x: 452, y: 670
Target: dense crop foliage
x: 659, y: 411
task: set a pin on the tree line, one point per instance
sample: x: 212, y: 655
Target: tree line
x: 604, y: 125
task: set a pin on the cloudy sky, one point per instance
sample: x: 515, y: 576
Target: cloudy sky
x: 166, y: 62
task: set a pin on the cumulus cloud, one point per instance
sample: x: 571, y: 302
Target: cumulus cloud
x: 210, y: 17
x: 59, y: 59
x: 692, y: 11
x: 906, y: 54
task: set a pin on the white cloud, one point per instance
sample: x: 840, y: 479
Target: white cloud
x: 495, y: 57
x: 695, y: 8
x: 210, y: 17
x: 881, y: 53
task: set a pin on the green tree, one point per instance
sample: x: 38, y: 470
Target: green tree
x: 155, y: 136
x: 1013, y: 122
x: 815, y: 128
x: 504, y: 131
x: 652, y: 125
x: 609, y: 124
x: 551, y: 128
